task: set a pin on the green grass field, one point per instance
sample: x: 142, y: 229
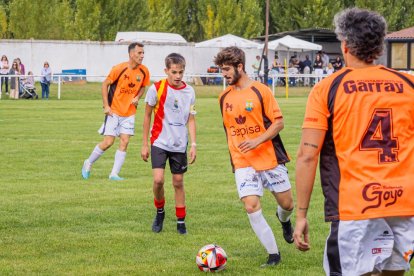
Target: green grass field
x: 54, y: 222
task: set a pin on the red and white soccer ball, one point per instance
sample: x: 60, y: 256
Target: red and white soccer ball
x: 211, y: 258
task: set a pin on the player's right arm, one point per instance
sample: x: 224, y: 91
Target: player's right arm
x: 106, y: 107
x: 145, y: 132
x: 306, y: 164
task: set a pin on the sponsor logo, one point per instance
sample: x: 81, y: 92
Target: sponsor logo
x: 228, y: 107
x: 309, y: 119
x: 376, y: 251
x: 249, y: 105
x: 385, y: 236
x: 408, y: 255
x: 373, y: 86
x: 131, y: 85
x: 246, y: 185
x: 244, y: 130
x: 240, y: 120
x: 380, y: 195
x: 127, y: 90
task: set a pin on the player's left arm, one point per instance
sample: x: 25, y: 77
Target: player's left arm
x: 135, y: 100
x: 192, y: 132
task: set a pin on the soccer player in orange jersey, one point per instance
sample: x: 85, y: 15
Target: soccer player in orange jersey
x: 172, y: 101
x: 360, y: 122
x: 252, y: 121
x: 121, y: 92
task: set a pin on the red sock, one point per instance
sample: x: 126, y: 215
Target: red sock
x: 180, y: 212
x: 159, y: 203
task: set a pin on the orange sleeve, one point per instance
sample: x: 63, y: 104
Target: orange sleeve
x: 114, y: 74
x: 317, y: 113
x: 146, y: 81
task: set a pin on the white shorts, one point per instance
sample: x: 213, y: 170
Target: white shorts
x: 361, y: 246
x: 115, y: 125
x: 252, y: 182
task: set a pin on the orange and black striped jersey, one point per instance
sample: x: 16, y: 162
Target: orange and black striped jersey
x: 367, y: 158
x: 125, y: 85
x: 247, y: 114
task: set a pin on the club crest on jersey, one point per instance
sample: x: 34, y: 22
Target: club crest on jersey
x: 175, y: 103
x: 249, y: 105
x: 138, y: 78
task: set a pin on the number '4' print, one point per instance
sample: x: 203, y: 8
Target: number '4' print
x: 379, y: 136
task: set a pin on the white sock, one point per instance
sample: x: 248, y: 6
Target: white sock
x: 263, y: 232
x: 119, y: 161
x: 283, y: 214
x: 96, y: 153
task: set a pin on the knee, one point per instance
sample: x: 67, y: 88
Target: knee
x: 123, y: 145
x: 178, y: 184
x: 251, y: 207
x: 106, y: 144
x: 287, y: 204
x: 158, y: 183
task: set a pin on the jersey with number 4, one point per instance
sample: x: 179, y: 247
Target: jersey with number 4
x: 367, y: 158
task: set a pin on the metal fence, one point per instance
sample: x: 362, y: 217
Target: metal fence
x: 274, y: 80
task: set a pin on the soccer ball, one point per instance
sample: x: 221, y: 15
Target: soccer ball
x: 211, y: 258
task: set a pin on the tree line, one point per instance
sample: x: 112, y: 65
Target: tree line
x: 195, y: 20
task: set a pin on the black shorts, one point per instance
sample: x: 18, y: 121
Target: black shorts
x: 177, y: 160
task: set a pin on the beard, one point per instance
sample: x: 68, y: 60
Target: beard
x: 235, y: 78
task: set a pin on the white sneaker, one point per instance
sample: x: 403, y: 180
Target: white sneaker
x: 86, y: 169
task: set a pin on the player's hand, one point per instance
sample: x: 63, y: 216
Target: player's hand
x: 248, y: 145
x: 193, y: 154
x: 145, y: 153
x: 301, y: 231
x: 107, y: 111
x: 135, y: 101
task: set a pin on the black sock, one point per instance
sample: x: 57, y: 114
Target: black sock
x: 180, y: 220
x: 160, y: 210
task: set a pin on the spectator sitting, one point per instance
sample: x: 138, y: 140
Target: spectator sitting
x: 29, y: 81
x: 330, y: 69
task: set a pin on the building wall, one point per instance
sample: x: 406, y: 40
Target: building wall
x: 98, y: 57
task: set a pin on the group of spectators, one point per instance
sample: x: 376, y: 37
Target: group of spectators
x: 321, y: 66
x: 17, y: 84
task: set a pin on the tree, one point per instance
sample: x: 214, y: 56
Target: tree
x: 87, y: 20
x: 47, y: 19
x: 220, y: 17
x: 3, y: 22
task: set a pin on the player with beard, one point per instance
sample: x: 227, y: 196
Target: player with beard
x: 252, y: 121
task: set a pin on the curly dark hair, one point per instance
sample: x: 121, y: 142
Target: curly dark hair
x: 363, y: 32
x: 231, y: 56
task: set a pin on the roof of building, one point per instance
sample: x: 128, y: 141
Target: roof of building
x: 312, y: 34
x: 407, y: 33
x: 149, y: 37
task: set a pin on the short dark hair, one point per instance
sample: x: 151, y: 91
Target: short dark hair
x: 133, y: 45
x: 363, y: 31
x: 174, y: 58
x: 231, y: 56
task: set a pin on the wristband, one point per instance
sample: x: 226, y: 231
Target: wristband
x: 193, y: 144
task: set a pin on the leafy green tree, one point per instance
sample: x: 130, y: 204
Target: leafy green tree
x: 87, y: 20
x: 3, y: 22
x: 47, y: 19
x: 220, y: 17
